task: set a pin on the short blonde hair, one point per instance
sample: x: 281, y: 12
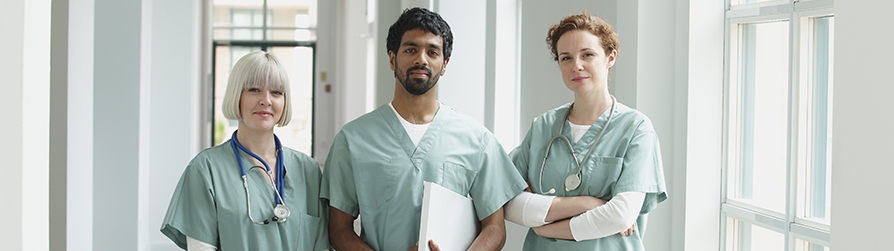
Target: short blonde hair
x: 257, y: 70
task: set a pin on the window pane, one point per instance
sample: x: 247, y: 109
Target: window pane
x: 749, y: 1
x: 802, y: 245
x: 764, y: 106
x: 820, y: 168
x: 285, y: 20
x: 744, y: 236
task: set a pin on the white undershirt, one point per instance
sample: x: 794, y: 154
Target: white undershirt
x: 197, y: 245
x: 578, y: 131
x: 413, y: 130
x: 618, y: 214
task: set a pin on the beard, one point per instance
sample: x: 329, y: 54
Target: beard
x: 417, y: 86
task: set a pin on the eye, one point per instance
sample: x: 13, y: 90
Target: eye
x: 276, y: 92
x: 253, y: 89
x: 410, y: 50
x: 433, y: 53
x: 589, y: 54
x: 565, y: 58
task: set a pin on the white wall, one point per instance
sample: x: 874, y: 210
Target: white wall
x: 79, y: 166
x: 18, y: 67
x: 861, y: 147
x: 173, y: 108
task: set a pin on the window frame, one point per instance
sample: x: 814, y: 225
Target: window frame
x: 793, y: 223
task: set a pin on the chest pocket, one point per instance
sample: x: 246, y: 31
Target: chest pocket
x: 375, y: 181
x: 305, y: 235
x: 457, y: 178
x: 601, y: 174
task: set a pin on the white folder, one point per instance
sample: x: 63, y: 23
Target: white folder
x: 448, y: 218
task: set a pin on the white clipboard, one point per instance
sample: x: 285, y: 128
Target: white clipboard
x: 448, y: 218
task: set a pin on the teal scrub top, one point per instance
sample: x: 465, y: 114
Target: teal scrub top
x: 209, y: 204
x: 626, y: 159
x: 375, y: 171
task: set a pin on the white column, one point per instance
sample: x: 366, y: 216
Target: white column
x: 11, y: 66
x: 698, y: 103
x: 463, y: 84
x: 116, y: 124
x: 79, y: 216
x: 171, y: 109
x: 861, y: 146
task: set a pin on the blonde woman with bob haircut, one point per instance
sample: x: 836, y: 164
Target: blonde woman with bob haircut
x: 594, y: 165
x: 250, y: 192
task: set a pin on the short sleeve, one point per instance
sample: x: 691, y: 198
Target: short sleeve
x: 643, y: 171
x: 497, y: 181
x: 338, y: 178
x: 520, y: 156
x: 192, y: 210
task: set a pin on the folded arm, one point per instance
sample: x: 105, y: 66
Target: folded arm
x: 617, y: 215
x: 534, y: 210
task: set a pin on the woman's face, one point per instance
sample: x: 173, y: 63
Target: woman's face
x: 261, y: 107
x: 583, y: 61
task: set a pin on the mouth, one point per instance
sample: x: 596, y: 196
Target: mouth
x: 418, y: 72
x: 264, y: 114
x: 579, y: 79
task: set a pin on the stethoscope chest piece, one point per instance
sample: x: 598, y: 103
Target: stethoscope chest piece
x: 280, y: 213
x: 572, y: 182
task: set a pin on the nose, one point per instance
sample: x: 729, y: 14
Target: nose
x: 421, y: 60
x: 578, y: 66
x: 265, y: 99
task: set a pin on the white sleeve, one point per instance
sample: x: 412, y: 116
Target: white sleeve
x: 528, y: 209
x: 197, y: 245
x: 616, y: 215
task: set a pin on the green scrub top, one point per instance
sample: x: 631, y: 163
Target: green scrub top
x: 626, y: 159
x: 374, y: 170
x: 209, y: 204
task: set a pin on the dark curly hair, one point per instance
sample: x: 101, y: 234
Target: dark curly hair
x: 419, y: 18
x: 583, y: 21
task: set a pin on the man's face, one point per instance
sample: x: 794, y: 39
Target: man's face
x: 419, y: 61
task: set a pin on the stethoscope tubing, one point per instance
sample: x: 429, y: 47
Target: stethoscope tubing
x: 570, y: 147
x: 277, y: 185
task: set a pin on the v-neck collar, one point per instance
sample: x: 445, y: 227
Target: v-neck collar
x: 582, y: 145
x: 416, y: 154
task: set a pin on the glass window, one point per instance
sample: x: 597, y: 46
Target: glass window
x: 778, y: 125
x: 803, y: 245
x: 262, y: 20
x: 764, y: 118
x: 819, y: 171
x: 284, y: 28
x: 744, y: 236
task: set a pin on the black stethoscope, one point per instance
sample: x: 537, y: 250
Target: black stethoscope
x: 280, y: 212
x: 573, y: 181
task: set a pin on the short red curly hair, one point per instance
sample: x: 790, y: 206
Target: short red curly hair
x: 583, y: 21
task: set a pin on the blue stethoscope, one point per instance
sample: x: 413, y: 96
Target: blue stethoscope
x: 280, y: 212
x: 573, y: 181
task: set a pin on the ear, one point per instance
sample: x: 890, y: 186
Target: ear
x: 391, y: 56
x: 444, y: 67
x: 611, y: 58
